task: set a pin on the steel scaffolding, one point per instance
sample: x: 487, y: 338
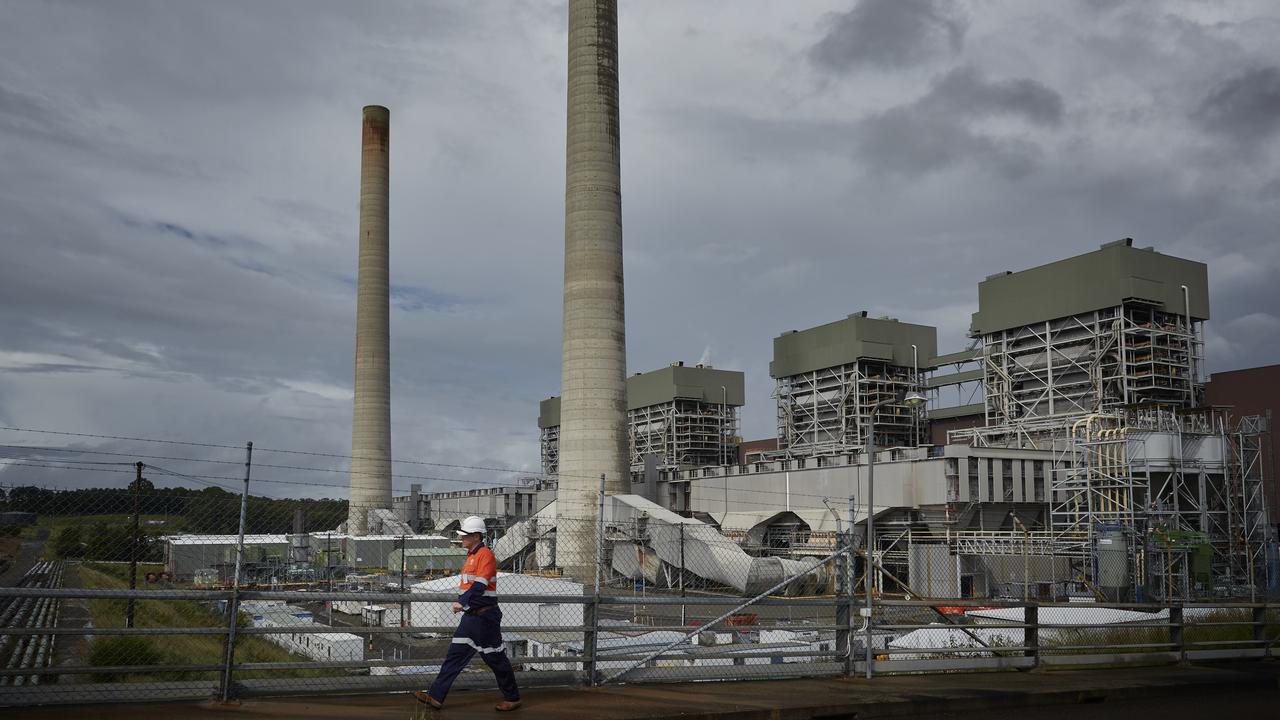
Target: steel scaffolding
x: 549, y: 444
x: 1115, y: 393
x: 681, y: 434
x: 1090, y: 363
x: 826, y: 411
x: 684, y: 434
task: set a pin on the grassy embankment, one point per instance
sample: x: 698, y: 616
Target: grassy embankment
x: 175, y: 649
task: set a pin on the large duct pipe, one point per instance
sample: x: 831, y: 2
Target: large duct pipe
x: 371, y: 416
x: 593, y: 409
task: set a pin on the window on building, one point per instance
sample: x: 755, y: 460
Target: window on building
x: 953, y: 479
x: 991, y: 480
x: 1006, y: 479
x: 1037, y: 479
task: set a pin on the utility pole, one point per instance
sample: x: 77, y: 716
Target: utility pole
x: 233, y: 607
x: 133, y: 547
x: 404, y: 550
x: 328, y: 572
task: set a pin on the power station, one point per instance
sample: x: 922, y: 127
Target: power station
x: 1072, y: 431
x: 1072, y: 428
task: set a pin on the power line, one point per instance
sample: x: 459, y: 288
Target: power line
x: 258, y: 480
x: 65, y: 467
x: 292, y: 452
x: 241, y: 462
x: 485, y: 483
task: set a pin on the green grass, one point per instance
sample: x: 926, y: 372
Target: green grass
x: 1201, y: 633
x: 181, y: 649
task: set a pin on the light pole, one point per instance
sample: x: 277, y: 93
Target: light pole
x: 912, y: 400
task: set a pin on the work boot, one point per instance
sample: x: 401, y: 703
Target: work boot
x: 507, y: 705
x: 422, y: 697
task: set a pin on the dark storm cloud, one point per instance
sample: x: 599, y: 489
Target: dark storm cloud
x: 939, y: 130
x: 888, y: 34
x: 1244, y: 108
x: 178, y: 188
x: 964, y: 92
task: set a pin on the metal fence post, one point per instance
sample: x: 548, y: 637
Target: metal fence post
x: 133, y: 546
x: 845, y: 592
x: 1260, y: 628
x: 593, y: 608
x: 233, y: 605
x: 1031, y: 633
x: 1176, y: 638
x: 844, y: 615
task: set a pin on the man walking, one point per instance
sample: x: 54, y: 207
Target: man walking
x: 480, y: 630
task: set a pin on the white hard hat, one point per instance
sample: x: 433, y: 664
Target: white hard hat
x: 472, y: 524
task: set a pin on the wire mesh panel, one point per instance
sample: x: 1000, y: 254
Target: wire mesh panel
x: 125, y: 578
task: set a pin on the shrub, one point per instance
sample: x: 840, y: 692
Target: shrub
x: 69, y: 543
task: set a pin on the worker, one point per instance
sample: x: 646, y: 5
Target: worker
x: 480, y: 630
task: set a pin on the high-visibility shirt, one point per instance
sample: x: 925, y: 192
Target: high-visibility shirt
x: 478, y: 584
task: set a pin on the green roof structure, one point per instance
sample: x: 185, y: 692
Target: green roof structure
x: 1107, y: 277
x: 854, y: 338
x: 674, y: 382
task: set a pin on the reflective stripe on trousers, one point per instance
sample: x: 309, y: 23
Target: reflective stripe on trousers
x: 483, y: 634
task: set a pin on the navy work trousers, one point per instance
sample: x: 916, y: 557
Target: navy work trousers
x: 477, y: 634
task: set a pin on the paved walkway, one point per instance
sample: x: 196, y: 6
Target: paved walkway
x: 761, y: 700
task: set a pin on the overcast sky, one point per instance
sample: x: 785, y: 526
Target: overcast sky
x: 179, y: 195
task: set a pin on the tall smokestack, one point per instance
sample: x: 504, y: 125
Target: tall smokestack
x: 593, y: 409
x: 371, y: 416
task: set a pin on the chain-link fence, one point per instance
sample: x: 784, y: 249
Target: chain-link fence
x: 130, y: 580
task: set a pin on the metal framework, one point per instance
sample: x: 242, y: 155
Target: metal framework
x: 549, y: 443
x: 1089, y: 363
x: 684, y: 434
x: 1247, y: 514
x: 825, y: 412
x: 1141, y: 471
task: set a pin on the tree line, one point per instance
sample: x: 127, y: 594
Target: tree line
x: 206, y: 510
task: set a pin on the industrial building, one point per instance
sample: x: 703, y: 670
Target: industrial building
x: 186, y: 555
x: 1073, y: 430
x: 296, y: 556
x: 293, y: 624
x: 514, y: 614
x: 678, y: 417
x: 501, y: 505
x: 1097, y: 359
x: 835, y: 381
x: 1254, y: 392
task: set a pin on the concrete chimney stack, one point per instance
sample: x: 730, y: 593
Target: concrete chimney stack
x: 371, y: 416
x: 593, y: 409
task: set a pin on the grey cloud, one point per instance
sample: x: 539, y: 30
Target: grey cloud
x: 786, y: 209
x: 1244, y: 108
x: 24, y: 112
x: 965, y: 92
x: 936, y: 131
x: 889, y: 34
